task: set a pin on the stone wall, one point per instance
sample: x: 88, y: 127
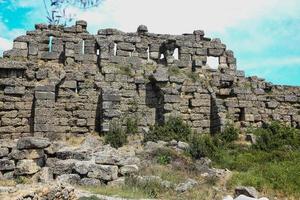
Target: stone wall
x: 63, y: 80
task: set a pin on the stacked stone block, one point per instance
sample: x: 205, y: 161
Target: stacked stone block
x: 72, y: 82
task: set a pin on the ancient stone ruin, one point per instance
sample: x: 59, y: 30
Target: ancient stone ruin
x: 59, y: 81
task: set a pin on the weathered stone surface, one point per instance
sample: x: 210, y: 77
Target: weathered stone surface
x: 183, y: 145
x: 272, y: 104
x: 103, y: 172
x: 26, y: 167
x: 14, y: 90
x: 44, y: 175
x: 6, y: 165
x: 161, y: 74
x: 59, y: 167
x: 33, y: 143
x: 129, y: 169
x: 90, y: 182
x: 82, y: 167
x: 72, y: 179
x: 119, y: 74
x: 3, y: 152
x: 26, y: 154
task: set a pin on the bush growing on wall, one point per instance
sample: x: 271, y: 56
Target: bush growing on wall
x: 131, y: 126
x: 116, y: 136
x: 229, y: 134
x: 202, y: 145
x: 174, y: 129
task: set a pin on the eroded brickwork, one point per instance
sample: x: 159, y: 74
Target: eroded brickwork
x: 63, y: 80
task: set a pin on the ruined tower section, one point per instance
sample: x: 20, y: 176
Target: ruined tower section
x: 62, y: 80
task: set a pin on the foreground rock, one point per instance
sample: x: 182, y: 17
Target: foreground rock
x: 247, y: 191
x: 43, y: 161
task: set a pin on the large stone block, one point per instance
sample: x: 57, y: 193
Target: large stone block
x: 27, y: 154
x: 60, y: 167
x: 20, y: 45
x: 104, y: 172
x: 14, y: 90
x: 33, y: 143
x: 26, y: 167
x: 45, y: 95
x: 161, y: 74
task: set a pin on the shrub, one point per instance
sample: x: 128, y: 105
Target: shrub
x: 202, y: 145
x: 229, y: 134
x: 277, y: 136
x: 116, y: 136
x: 131, y: 126
x: 174, y: 128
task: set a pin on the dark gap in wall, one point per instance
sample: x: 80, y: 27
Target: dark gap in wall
x: 215, y: 120
x: 99, y: 113
x: 155, y: 99
x: 62, y: 55
x: 242, y: 114
x: 137, y: 89
x: 57, y: 88
x: 31, y: 119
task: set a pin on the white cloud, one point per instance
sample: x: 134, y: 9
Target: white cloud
x: 169, y: 16
x: 5, y: 44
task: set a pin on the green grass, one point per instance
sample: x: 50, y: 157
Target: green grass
x: 118, y: 191
x: 276, y: 171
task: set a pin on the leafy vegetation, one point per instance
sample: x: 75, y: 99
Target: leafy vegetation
x: 175, y: 128
x: 131, y: 126
x: 277, y: 136
x: 202, y: 145
x: 116, y: 136
x: 272, y: 164
x: 229, y: 134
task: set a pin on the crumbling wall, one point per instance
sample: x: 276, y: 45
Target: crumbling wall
x: 73, y: 83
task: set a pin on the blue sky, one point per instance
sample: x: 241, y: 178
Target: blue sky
x: 264, y: 34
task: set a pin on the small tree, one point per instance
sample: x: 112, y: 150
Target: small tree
x: 57, y: 10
